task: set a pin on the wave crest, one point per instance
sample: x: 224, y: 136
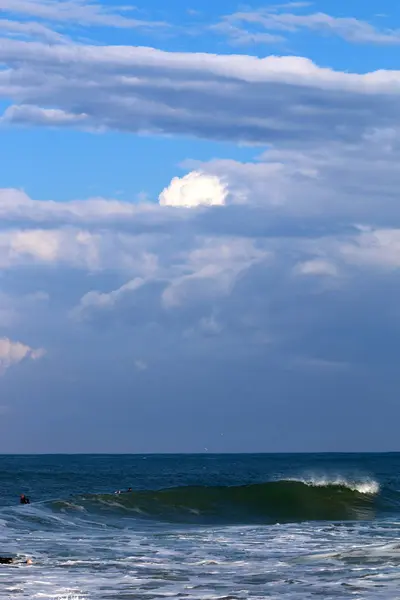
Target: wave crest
x: 366, y: 486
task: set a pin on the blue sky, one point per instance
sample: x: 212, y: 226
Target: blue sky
x: 199, y: 226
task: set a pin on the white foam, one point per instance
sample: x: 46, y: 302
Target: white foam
x: 363, y: 486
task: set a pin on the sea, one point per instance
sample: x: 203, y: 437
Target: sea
x: 201, y: 527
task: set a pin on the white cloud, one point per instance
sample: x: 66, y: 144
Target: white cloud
x: 338, y: 182
x: 239, y: 36
x: 215, y: 276
x: 17, y: 205
x: 102, y: 300
x: 293, y: 210
x: 12, y: 353
x: 193, y: 190
x: 207, y: 327
x: 379, y: 248
x: 342, y: 183
x: 240, y: 26
x: 277, y: 99
x: 91, y: 251
x: 50, y: 117
x: 271, y: 264
x: 49, y: 246
x: 31, y: 30
x: 37, y: 354
x: 40, y: 244
x: 297, y: 203
x: 208, y: 272
x: 82, y: 12
x: 317, y: 267
x: 212, y: 269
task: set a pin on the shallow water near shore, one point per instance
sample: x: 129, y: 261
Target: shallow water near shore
x: 201, y: 527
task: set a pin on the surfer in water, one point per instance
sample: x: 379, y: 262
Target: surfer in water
x: 24, y: 499
x: 9, y: 560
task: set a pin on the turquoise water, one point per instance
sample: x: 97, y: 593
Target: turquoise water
x: 201, y: 527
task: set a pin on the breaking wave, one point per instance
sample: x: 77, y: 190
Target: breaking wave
x: 282, y: 501
x: 367, y: 486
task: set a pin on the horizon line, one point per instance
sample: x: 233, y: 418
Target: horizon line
x: 242, y: 453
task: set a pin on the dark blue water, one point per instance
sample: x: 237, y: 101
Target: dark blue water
x: 237, y: 526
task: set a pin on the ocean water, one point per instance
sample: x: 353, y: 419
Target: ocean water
x: 201, y: 527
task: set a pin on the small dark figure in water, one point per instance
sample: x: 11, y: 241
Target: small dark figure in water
x: 24, y: 499
x: 129, y: 489
x: 8, y: 560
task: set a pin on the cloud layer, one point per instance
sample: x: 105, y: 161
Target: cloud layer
x: 261, y: 26
x: 82, y: 12
x: 277, y: 99
x: 280, y: 270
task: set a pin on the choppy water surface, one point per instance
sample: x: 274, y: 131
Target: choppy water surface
x: 204, y: 527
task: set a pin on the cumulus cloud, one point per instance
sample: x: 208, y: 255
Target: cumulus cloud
x: 12, y: 353
x: 289, y: 226
x: 189, y: 280
x: 103, y: 300
x: 37, y: 354
x: 339, y: 183
x: 289, y: 258
x: 378, y: 248
x: 82, y: 249
x: 212, y: 269
x: 48, y: 247
x: 194, y: 189
x: 302, y: 203
x: 260, y: 272
x: 286, y: 189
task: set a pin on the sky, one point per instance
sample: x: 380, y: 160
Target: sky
x: 199, y: 226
